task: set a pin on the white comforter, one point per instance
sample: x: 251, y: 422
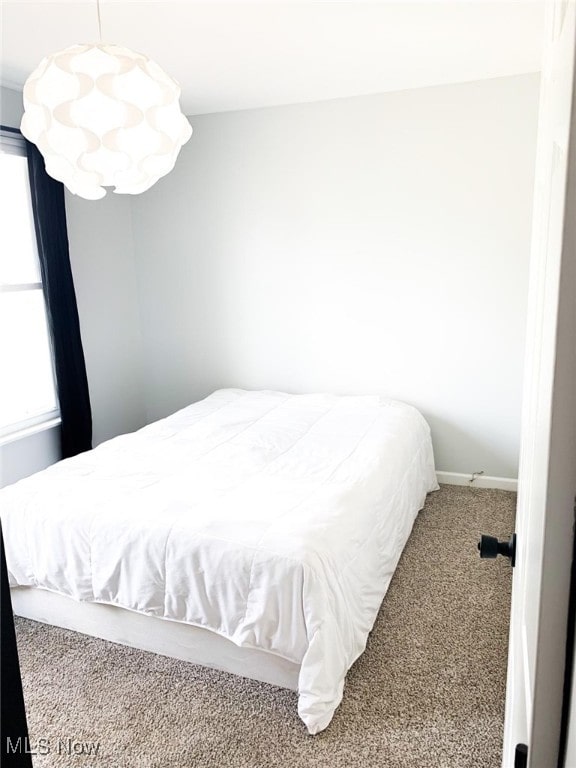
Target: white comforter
x: 275, y: 520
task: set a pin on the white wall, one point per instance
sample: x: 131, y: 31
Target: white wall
x: 102, y: 259
x: 11, y: 107
x: 374, y: 244
x: 21, y: 457
x: 25, y: 455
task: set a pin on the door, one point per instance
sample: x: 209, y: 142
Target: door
x: 547, y: 476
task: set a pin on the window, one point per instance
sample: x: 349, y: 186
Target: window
x: 27, y: 389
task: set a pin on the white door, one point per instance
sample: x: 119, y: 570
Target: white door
x: 547, y: 477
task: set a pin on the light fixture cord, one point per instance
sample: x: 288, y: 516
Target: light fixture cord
x: 99, y: 20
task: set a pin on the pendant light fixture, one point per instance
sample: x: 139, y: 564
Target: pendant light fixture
x: 104, y: 116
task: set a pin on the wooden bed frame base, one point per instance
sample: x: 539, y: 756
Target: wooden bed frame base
x: 149, y: 633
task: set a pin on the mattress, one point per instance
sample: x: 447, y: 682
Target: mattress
x: 274, y: 520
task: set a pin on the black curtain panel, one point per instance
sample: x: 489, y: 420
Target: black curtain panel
x: 14, y: 747
x: 52, y: 237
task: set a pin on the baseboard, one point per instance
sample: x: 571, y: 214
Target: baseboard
x: 478, y: 481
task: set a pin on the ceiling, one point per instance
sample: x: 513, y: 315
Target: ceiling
x: 240, y: 55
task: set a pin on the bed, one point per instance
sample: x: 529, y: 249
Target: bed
x: 255, y: 532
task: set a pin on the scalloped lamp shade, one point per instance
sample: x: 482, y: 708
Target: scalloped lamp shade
x: 104, y: 116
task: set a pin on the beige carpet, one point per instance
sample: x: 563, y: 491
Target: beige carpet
x: 428, y: 691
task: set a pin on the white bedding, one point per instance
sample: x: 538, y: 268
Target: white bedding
x: 274, y: 520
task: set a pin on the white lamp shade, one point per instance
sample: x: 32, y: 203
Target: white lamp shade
x: 104, y: 116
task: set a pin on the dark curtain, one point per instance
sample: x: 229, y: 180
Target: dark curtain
x: 52, y: 238
x: 13, y: 727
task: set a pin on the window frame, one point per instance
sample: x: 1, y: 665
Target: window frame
x: 12, y: 142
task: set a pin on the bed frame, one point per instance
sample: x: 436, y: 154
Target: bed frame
x: 150, y: 633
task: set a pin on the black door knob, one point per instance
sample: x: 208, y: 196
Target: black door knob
x: 490, y: 547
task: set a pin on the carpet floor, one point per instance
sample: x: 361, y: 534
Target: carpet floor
x: 429, y: 690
